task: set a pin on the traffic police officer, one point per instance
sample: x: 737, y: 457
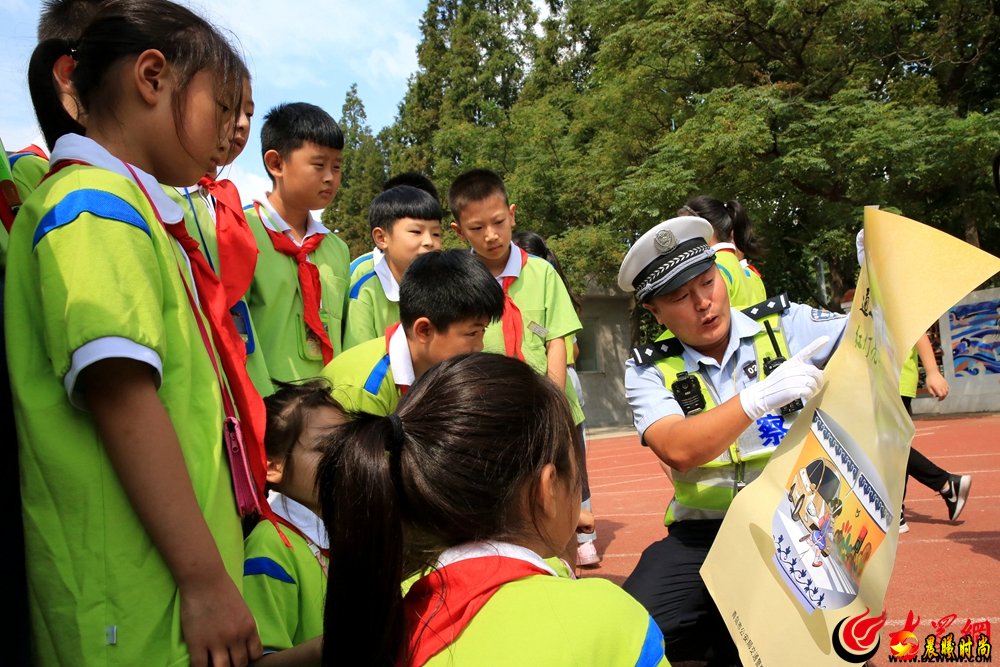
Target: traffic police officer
x: 712, y: 398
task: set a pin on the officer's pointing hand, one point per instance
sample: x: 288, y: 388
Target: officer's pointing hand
x: 796, y: 378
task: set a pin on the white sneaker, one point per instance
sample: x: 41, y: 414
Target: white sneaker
x: 903, y: 527
x: 586, y: 555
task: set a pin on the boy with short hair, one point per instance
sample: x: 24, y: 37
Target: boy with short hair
x: 299, y: 291
x: 362, y: 264
x: 446, y: 302
x: 539, y: 314
x: 405, y: 223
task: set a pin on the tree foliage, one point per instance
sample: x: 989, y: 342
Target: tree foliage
x: 607, y: 115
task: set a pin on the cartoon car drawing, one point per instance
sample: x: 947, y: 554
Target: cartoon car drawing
x: 815, y: 489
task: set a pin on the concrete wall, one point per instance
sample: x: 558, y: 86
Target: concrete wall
x: 604, y: 346
x: 970, y: 356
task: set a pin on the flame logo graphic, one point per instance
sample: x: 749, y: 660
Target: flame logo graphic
x: 856, y: 639
x: 904, y: 645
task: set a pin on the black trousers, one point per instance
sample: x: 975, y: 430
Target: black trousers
x: 667, y: 582
x: 921, y: 468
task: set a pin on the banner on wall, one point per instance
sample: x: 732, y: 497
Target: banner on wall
x: 802, y: 562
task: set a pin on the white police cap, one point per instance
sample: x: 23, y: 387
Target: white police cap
x: 667, y: 256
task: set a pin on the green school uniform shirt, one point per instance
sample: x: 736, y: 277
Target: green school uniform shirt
x: 369, y: 310
x: 362, y: 378
x: 909, y: 376
x: 27, y: 171
x: 276, y: 302
x: 551, y: 621
x: 285, y: 587
x: 758, y: 292
x: 200, y: 222
x: 362, y: 264
x: 737, y: 283
x: 94, y: 275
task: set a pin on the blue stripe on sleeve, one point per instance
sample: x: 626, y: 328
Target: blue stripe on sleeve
x: 267, y: 567
x: 729, y: 276
x: 358, y: 260
x: 378, y: 373
x: 356, y: 287
x: 96, y: 202
x: 652, y: 647
x: 17, y: 156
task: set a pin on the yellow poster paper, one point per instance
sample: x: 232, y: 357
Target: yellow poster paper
x: 800, y: 567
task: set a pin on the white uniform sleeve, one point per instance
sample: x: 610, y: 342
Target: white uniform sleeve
x: 803, y: 324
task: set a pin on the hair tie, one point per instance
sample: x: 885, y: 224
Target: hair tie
x: 398, y: 436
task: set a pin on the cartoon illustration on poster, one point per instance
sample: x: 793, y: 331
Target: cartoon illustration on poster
x: 832, y: 519
x: 975, y: 338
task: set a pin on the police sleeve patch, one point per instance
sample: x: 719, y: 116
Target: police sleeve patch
x: 821, y: 315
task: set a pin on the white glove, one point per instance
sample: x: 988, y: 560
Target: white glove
x: 796, y: 378
x: 859, y: 242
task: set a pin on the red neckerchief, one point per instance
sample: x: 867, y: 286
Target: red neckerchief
x: 34, y: 150
x: 442, y: 604
x: 232, y: 353
x: 754, y: 269
x: 511, y: 321
x: 725, y: 250
x: 309, y: 283
x: 237, y: 247
x: 389, y: 330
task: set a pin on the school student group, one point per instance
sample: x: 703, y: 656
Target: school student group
x: 238, y: 446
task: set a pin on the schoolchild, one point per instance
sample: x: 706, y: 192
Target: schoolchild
x: 363, y: 264
x: 284, y: 571
x: 214, y: 215
x: 59, y: 19
x: 446, y: 302
x: 109, y: 354
x: 734, y: 243
x: 538, y: 315
x: 405, y: 223
x: 298, y: 296
x: 586, y: 553
x: 707, y: 407
x: 475, y: 475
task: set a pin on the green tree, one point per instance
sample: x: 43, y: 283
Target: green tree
x: 363, y: 171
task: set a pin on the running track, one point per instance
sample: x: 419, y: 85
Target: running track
x: 941, y: 567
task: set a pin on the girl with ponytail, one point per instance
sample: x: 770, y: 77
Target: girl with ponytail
x: 122, y: 371
x: 473, y: 481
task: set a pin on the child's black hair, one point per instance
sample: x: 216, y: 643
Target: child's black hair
x: 288, y: 126
x: 459, y: 462
x: 535, y: 245
x: 472, y: 186
x: 286, y: 413
x: 414, y: 178
x: 66, y: 19
x: 729, y: 220
x: 448, y: 287
x: 402, y: 201
x: 122, y: 29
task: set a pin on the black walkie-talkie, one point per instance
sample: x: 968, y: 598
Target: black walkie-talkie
x: 687, y: 392
x: 771, y: 364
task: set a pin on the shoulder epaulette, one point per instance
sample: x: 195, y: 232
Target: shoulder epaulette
x: 770, y: 306
x: 660, y: 349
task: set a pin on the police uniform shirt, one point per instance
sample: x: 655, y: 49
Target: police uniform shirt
x: 651, y: 401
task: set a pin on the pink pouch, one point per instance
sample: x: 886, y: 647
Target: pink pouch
x: 243, y: 486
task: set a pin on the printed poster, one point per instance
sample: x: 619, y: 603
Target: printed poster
x: 802, y: 562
